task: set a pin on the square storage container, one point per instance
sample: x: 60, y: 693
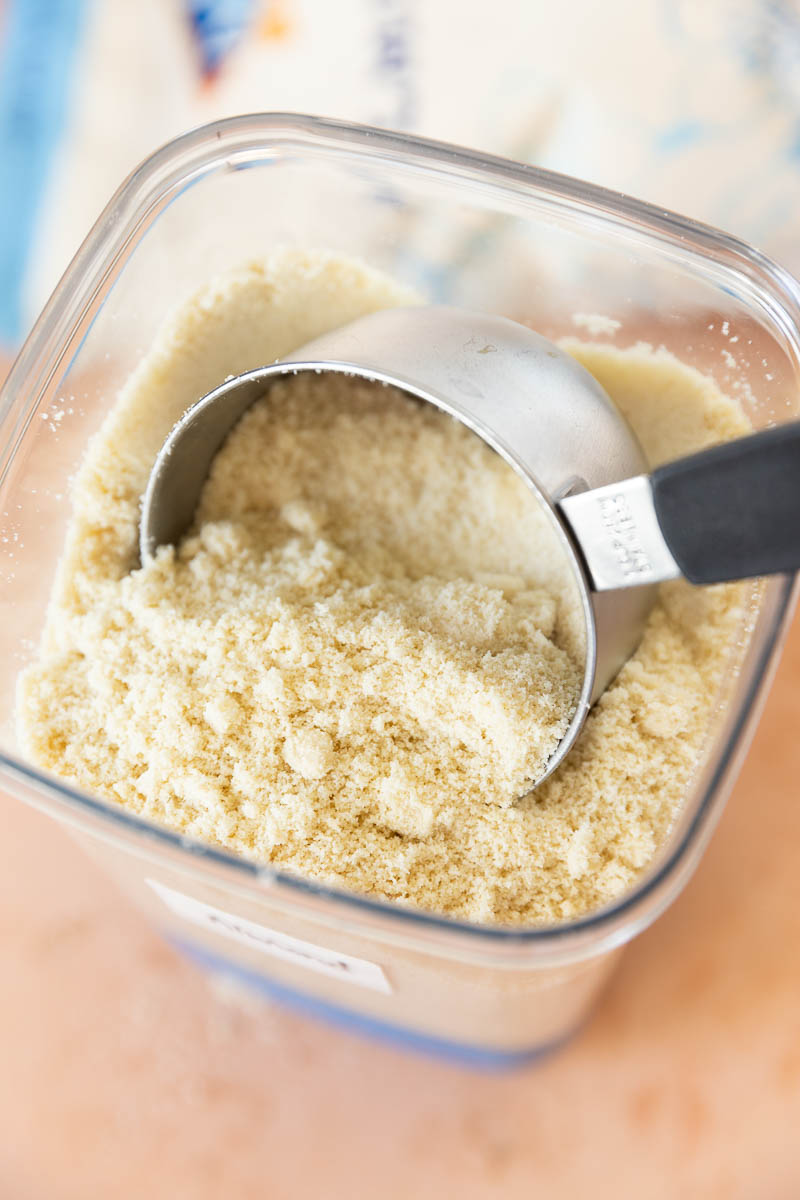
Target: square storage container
x: 465, y: 229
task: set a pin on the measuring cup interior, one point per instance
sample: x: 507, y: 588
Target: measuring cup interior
x: 184, y: 461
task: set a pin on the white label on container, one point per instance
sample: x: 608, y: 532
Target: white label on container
x: 270, y: 941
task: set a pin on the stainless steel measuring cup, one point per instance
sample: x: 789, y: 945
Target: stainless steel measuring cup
x: 729, y: 512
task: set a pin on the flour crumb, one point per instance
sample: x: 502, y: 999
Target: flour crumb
x: 596, y: 324
x: 309, y: 752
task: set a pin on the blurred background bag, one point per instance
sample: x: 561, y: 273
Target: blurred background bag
x: 693, y: 104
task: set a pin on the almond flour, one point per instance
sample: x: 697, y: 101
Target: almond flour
x: 366, y: 645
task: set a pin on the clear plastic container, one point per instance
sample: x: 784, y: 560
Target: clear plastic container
x: 467, y: 229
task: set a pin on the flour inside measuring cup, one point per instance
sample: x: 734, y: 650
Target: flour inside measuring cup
x: 361, y: 652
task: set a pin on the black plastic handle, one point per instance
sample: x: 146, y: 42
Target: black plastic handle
x: 733, y: 511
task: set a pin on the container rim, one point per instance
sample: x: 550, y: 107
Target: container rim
x: 227, y: 144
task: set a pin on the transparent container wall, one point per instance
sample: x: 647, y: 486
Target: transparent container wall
x: 494, y: 1010
x: 461, y: 231
x: 454, y: 237
x: 457, y: 242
